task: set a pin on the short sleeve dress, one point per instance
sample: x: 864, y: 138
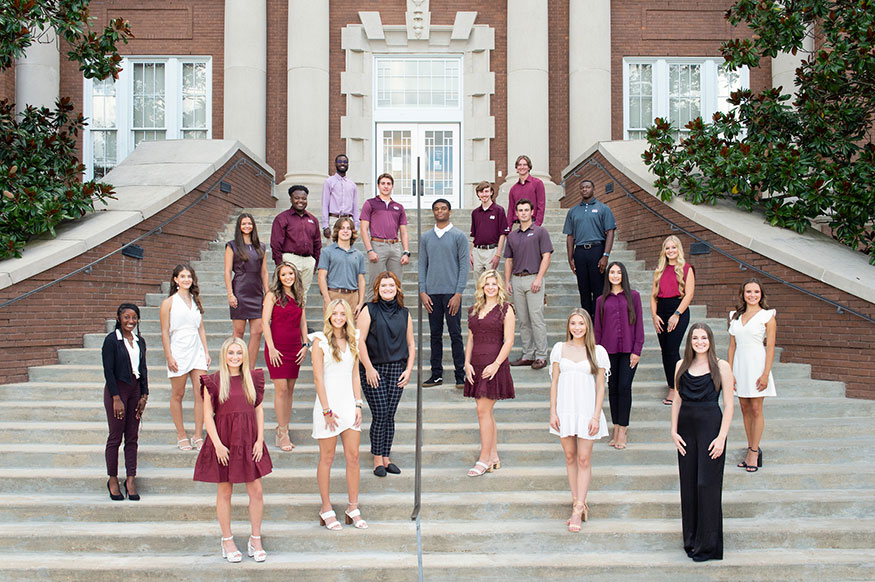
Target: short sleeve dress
x: 750, y: 354
x: 246, y: 284
x: 285, y: 330
x: 575, y: 398
x: 237, y: 427
x: 337, y: 377
x: 488, y: 339
x: 185, y: 339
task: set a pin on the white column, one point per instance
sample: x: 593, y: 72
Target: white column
x: 784, y: 66
x: 308, y: 95
x: 38, y: 73
x: 589, y: 74
x: 528, y: 103
x: 245, y: 116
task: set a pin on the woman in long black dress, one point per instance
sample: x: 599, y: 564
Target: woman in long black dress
x: 699, y: 429
x: 246, y: 259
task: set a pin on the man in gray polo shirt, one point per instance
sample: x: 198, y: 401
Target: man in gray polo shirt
x: 528, y: 257
x: 342, y: 268
x: 443, y: 274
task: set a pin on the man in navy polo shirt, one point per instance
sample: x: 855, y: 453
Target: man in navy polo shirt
x: 589, y: 227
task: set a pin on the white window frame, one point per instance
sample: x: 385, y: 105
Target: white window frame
x: 660, y: 79
x: 124, y: 94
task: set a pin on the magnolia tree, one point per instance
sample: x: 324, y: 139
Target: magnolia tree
x: 40, y: 172
x: 794, y: 159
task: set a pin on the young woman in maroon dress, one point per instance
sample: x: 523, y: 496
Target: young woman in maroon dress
x: 235, y: 450
x: 491, y: 322
x: 285, y: 324
x: 246, y: 261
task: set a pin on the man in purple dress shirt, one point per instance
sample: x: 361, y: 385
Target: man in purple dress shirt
x: 340, y: 197
x: 529, y: 188
x: 294, y: 236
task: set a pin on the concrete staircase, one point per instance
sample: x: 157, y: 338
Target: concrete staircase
x: 809, y: 513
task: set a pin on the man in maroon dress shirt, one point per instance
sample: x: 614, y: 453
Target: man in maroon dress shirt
x: 295, y: 236
x: 529, y: 188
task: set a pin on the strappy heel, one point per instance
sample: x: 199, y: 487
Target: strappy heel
x: 576, y: 514
x: 351, y: 516
x: 479, y: 468
x: 184, y: 444
x: 257, y: 555
x: 334, y: 525
x: 282, y: 433
x: 234, y: 556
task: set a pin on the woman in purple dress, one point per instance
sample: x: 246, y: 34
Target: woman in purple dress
x: 491, y: 322
x: 246, y: 260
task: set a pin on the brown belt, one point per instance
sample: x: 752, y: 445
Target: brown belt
x: 339, y: 215
x: 339, y: 290
x: 485, y: 247
x: 384, y: 240
x: 523, y: 274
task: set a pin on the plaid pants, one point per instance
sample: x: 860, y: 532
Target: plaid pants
x: 383, y: 402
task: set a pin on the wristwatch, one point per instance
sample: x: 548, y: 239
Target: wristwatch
x: 306, y: 345
x: 607, y: 254
x: 406, y: 253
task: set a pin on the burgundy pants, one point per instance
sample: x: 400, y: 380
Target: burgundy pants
x: 129, y: 427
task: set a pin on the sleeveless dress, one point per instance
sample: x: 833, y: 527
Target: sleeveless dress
x: 246, y: 284
x: 750, y: 354
x: 488, y: 340
x: 285, y: 329
x: 237, y: 427
x: 185, y: 342
x: 575, y: 396
x: 337, y: 377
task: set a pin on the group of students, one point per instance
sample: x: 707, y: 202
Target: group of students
x: 371, y: 346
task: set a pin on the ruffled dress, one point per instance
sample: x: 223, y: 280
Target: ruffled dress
x: 750, y: 354
x: 237, y: 427
x: 488, y: 339
x: 337, y: 377
x: 575, y: 397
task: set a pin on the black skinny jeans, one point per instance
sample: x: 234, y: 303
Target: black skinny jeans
x: 670, y: 342
x: 620, y: 388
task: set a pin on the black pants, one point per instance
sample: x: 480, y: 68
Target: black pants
x: 590, y: 281
x: 440, y: 311
x: 701, y: 481
x: 620, y: 388
x: 670, y: 342
x: 128, y: 427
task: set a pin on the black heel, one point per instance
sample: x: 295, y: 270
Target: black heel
x: 760, y: 457
x: 118, y: 497
x: 128, y: 495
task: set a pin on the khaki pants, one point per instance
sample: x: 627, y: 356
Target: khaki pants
x: 530, y: 316
x: 306, y: 266
x: 389, y: 260
x: 351, y: 297
x: 481, y: 261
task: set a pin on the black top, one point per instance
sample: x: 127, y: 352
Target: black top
x: 697, y: 388
x: 117, y: 364
x: 387, y: 335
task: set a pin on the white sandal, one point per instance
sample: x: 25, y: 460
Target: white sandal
x: 233, y: 557
x: 184, y: 444
x: 484, y: 468
x: 257, y: 555
x: 351, y: 519
x: 334, y: 525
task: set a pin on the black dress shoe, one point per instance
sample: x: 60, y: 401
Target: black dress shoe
x: 134, y: 497
x: 112, y: 496
x: 433, y: 381
x: 380, y: 471
x: 393, y: 468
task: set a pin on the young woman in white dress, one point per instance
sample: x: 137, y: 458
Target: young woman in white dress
x: 752, y: 331
x: 338, y: 408
x: 185, y: 349
x: 578, y: 368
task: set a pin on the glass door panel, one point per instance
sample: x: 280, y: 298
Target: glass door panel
x: 437, y: 147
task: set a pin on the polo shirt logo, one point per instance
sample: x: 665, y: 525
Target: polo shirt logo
x: 531, y: 234
x: 595, y: 209
x: 492, y: 217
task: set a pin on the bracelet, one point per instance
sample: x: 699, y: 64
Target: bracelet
x: 359, y: 406
x: 371, y: 251
x: 326, y: 412
x: 359, y: 402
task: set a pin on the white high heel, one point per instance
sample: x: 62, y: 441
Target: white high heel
x: 233, y: 557
x: 334, y: 525
x: 257, y: 555
x: 351, y: 519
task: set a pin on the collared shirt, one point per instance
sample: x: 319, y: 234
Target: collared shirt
x: 295, y: 233
x: 533, y: 190
x: 339, y: 196
x: 612, y: 328
x: 589, y: 222
x: 526, y: 248
x: 440, y: 231
x: 488, y: 225
x: 384, y: 218
x: 133, y: 352
x: 343, y: 266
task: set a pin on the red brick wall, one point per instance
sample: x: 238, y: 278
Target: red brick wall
x: 837, y: 346
x: 7, y: 84
x: 277, y: 85
x: 663, y: 28
x: 559, y: 99
x: 35, y: 327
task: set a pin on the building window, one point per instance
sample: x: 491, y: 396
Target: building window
x: 154, y: 98
x: 678, y: 89
x: 418, y: 82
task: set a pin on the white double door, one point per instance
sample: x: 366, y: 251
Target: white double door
x: 437, y: 147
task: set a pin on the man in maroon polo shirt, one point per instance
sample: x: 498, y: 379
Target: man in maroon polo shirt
x: 295, y: 236
x: 489, y: 229
x: 384, y: 233
x: 527, y: 187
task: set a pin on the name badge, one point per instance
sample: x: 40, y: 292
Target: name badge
x: 531, y: 234
x: 310, y: 220
x: 595, y: 209
x: 492, y: 217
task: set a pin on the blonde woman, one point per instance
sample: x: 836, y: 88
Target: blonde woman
x: 674, y: 283
x: 491, y: 324
x: 235, y: 450
x: 338, y: 408
x: 578, y: 368
x: 285, y: 325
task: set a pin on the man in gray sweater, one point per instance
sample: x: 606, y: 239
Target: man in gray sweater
x: 443, y: 274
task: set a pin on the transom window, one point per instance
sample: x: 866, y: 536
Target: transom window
x: 679, y: 89
x: 418, y: 82
x: 153, y: 99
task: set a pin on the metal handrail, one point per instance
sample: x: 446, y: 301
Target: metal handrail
x: 840, y: 308
x: 87, y: 268
x: 417, y: 479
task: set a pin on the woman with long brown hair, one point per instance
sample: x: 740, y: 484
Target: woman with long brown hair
x: 246, y: 261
